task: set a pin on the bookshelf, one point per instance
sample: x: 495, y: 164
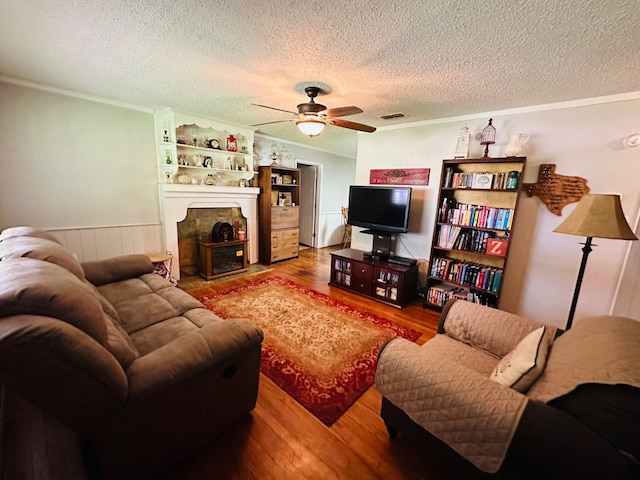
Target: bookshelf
x: 477, y: 207
x: 279, y: 213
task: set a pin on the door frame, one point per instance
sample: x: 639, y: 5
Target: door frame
x: 318, y: 196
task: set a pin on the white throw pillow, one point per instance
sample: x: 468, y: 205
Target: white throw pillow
x: 524, y: 364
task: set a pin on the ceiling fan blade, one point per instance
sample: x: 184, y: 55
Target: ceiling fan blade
x: 342, y: 111
x: 274, y: 108
x: 351, y: 125
x: 269, y: 123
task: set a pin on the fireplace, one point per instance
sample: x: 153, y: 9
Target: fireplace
x: 197, y: 226
x: 177, y: 199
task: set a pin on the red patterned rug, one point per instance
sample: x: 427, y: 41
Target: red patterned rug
x: 320, y: 351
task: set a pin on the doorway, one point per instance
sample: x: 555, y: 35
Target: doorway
x: 310, y: 179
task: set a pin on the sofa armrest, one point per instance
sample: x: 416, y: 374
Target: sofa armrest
x: 494, y: 331
x: 182, y: 395
x: 190, y: 354
x: 465, y: 409
x: 62, y: 370
x: 115, y: 269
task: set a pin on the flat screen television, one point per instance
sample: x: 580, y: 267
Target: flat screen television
x: 379, y: 209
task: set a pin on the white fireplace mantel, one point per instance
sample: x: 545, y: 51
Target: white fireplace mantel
x: 175, y: 199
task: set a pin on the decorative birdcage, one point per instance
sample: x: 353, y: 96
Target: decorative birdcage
x: 488, y: 137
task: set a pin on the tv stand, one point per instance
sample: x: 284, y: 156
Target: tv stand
x: 382, y: 244
x: 386, y: 282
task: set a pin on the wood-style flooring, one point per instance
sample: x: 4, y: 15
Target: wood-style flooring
x: 280, y: 439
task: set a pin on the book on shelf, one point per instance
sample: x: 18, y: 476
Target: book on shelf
x: 480, y: 216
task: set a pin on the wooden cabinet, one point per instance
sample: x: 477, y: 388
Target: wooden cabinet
x: 279, y: 213
x: 477, y: 208
x: 386, y: 282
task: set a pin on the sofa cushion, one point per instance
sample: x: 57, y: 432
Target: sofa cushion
x: 119, y: 343
x: 446, y: 347
x: 524, y: 364
x: 155, y: 336
x: 36, y: 287
x: 41, y: 249
x: 25, y: 231
x: 147, y: 300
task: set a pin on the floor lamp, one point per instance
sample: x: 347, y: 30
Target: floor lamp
x: 599, y: 216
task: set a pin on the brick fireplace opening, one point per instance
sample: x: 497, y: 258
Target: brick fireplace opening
x: 197, y: 226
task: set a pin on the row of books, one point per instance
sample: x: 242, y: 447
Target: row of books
x: 480, y: 216
x: 438, y: 295
x: 462, y: 272
x: 483, y: 180
x: 460, y: 238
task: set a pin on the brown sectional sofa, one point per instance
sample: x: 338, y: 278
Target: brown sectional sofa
x: 136, y: 366
x: 580, y: 418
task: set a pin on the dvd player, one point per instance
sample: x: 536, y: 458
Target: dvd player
x: 407, y: 262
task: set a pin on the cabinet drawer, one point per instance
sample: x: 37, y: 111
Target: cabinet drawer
x: 284, y: 253
x: 284, y: 244
x: 282, y: 238
x: 362, y: 278
x: 284, y: 217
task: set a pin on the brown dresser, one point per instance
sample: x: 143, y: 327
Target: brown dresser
x: 279, y: 213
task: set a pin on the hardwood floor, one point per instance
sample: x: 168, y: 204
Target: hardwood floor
x: 280, y: 439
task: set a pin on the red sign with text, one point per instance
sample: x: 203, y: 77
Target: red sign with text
x: 400, y: 176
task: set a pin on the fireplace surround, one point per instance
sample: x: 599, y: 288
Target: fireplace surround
x: 176, y: 199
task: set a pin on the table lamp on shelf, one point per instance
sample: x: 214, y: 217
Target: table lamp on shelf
x: 599, y: 216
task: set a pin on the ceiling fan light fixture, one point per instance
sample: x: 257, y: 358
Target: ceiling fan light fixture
x: 310, y: 125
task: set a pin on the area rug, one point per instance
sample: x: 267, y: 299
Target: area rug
x: 320, y: 351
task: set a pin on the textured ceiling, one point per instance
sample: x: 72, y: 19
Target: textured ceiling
x: 426, y: 58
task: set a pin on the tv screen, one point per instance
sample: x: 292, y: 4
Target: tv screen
x: 381, y: 209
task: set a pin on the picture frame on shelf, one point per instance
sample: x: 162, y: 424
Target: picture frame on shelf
x: 287, y: 179
x: 284, y: 199
x: 208, y: 162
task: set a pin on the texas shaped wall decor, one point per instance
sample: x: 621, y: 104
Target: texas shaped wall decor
x: 555, y: 190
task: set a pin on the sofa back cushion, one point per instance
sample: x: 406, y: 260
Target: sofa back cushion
x: 41, y: 249
x: 25, y: 231
x: 37, y: 287
x: 495, y: 331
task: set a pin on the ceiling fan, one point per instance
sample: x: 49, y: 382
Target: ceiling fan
x: 312, y: 117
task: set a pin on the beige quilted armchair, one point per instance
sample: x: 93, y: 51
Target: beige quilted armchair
x: 501, y: 395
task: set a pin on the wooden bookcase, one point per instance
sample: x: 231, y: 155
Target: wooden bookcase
x: 477, y: 208
x: 386, y: 282
x: 279, y: 213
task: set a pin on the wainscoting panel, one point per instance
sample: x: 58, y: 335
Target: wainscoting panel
x: 97, y: 243
x: 331, y: 229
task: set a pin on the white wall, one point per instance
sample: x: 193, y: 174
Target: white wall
x: 584, y: 141
x: 70, y: 162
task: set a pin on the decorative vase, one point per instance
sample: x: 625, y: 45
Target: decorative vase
x: 232, y: 144
x: 514, y: 147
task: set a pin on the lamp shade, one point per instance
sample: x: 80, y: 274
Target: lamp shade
x: 310, y: 125
x: 599, y: 216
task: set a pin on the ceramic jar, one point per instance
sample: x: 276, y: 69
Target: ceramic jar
x: 514, y: 147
